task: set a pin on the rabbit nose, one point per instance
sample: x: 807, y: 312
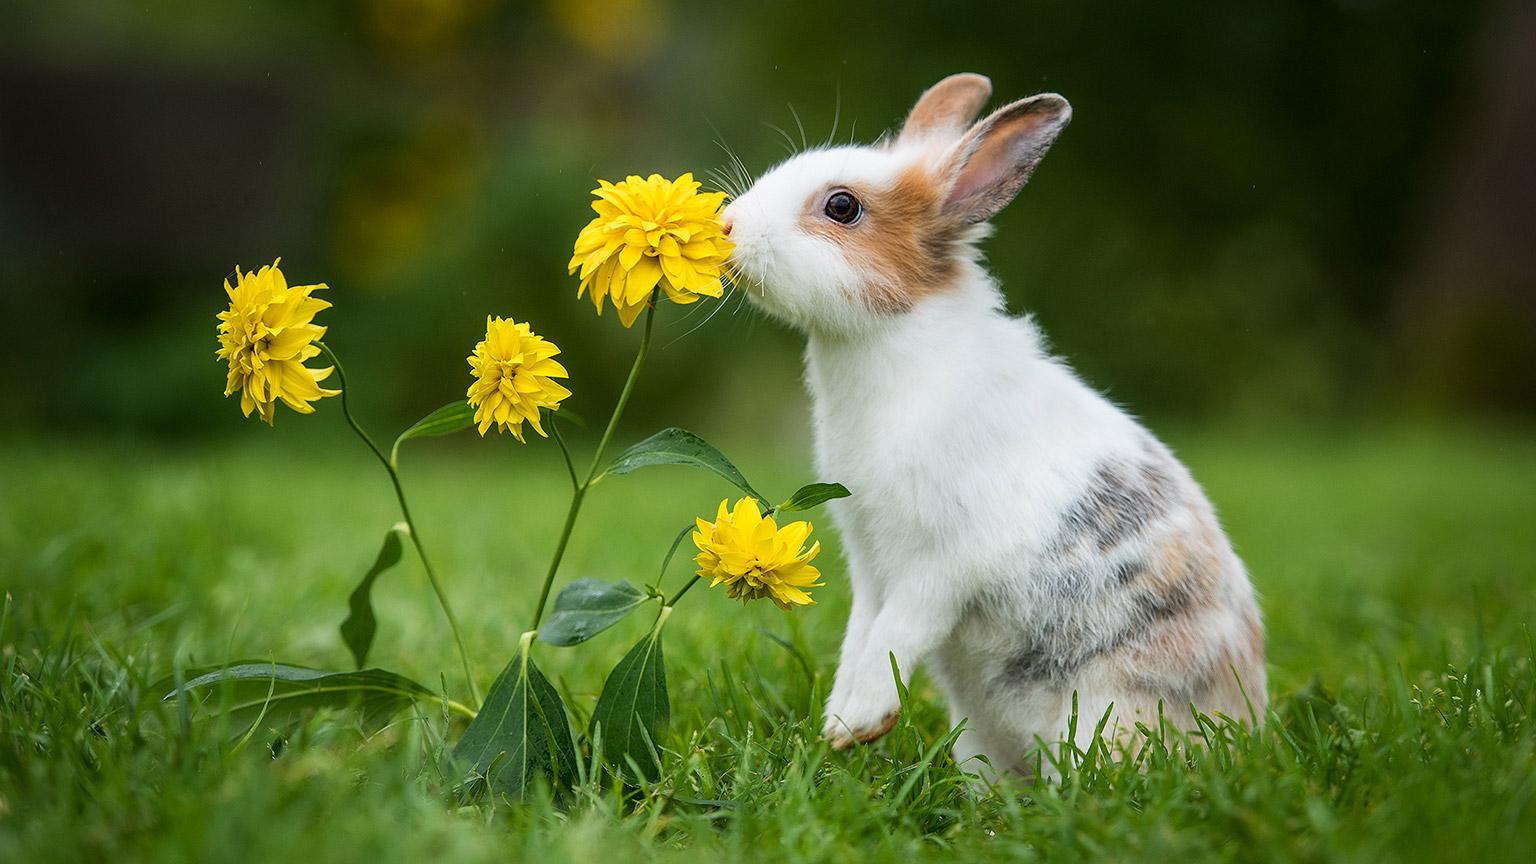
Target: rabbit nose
x: 726, y: 223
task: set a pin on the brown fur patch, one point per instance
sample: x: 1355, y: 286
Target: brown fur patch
x: 899, y: 242
x: 1174, y: 659
x: 1185, y: 569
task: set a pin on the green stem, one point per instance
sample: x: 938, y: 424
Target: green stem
x: 570, y: 467
x: 554, y: 564
x: 405, y: 511
x: 629, y: 386
x: 580, y: 492
x: 681, y: 591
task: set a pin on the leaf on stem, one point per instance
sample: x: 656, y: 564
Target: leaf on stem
x: 680, y: 447
x: 567, y: 414
x: 634, y: 710
x: 587, y: 607
x: 357, y: 631
x: 444, y: 421
x: 521, y: 731
x: 813, y: 495
x: 275, y: 692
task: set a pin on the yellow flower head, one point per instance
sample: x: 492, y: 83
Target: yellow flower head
x: 266, y: 335
x: 647, y: 233
x: 514, y: 377
x: 755, y: 558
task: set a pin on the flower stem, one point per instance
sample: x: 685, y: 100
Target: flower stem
x: 580, y: 492
x: 629, y: 386
x: 681, y: 591
x: 570, y: 467
x: 405, y: 511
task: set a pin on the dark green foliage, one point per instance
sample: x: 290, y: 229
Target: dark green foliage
x: 444, y: 421
x: 813, y: 495
x: 633, y: 711
x: 521, y: 735
x: 587, y: 607
x: 680, y: 447
x: 250, y: 692
x: 358, y: 628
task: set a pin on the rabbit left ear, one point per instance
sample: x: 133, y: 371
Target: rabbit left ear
x: 946, y: 107
x: 995, y: 158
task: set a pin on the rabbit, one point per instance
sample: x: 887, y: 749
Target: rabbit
x: 1029, y: 541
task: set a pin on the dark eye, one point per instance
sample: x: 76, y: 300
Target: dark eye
x: 843, y: 207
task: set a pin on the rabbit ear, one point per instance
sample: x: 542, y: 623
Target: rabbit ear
x: 992, y: 162
x: 946, y: 107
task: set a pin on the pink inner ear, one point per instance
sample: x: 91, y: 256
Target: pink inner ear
x: 983, y: 171
x: 1002, y: 154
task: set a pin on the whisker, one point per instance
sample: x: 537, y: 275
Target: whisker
x: 743, y: 174
x: 707, y: 319
x: 723, y: 180
x: 796, y: 114
x: 788, y: 141
x: 837, y: 112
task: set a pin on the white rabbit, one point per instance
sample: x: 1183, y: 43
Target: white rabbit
x: 1009, y: 526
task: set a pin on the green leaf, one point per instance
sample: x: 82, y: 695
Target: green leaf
x: 680, y: 447
x: 587, y: 607
x: 575, y: 419
x: 357, y: 631
x: 444, y: 421
x: 521, y: 731
x: 813, y: 495
x: 633, y: 710
x: 275, y: 692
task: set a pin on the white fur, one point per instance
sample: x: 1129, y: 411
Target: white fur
x: 963, y: 443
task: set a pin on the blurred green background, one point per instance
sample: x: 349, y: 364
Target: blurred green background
x: 1270, y: 212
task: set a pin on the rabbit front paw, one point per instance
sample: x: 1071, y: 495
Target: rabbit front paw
x: 859, y: 718
x: 844, y: 735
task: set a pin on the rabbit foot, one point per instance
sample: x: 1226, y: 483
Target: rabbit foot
x: 843, y: 736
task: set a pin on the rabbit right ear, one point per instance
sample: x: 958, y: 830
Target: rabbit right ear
x: 946, y: 107
x: 994, y: 160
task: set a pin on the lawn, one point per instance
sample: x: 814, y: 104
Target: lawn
x: 1396, y: 567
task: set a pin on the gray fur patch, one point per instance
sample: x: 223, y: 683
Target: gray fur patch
x: 1034, y: 665
x: 1122, y: 498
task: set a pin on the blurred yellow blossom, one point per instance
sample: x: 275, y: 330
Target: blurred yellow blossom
x: 514, y: 377
x: 647, y: 233
x: 266, y: 335
x: 755, y: 558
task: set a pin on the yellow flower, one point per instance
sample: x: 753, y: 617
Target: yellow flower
x: 647, y: 233
x: 266, y: 335
x: 755, y: 558
x: 513, y: 377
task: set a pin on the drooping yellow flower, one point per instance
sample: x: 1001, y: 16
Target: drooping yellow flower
x: 514, y: 377
x: 266, y: 335
x: 647, y: 233
x: 755, y: 558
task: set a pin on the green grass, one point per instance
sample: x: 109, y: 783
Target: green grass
x: 1396, y: 569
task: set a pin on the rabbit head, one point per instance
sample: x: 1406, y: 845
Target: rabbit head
x: 841, y: 238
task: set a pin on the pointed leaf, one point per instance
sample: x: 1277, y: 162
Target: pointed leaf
x: 357, y: 631
x: 277, y: 692
x: 681, y: 447
x: 634, y: 710
x: 813, y: 495
x: 521, y: 731
x: 587, y: 607
x: 567, y: 414
x: 444, y: 421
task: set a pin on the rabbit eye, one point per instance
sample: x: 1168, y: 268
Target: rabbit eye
x: 844, y: 208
